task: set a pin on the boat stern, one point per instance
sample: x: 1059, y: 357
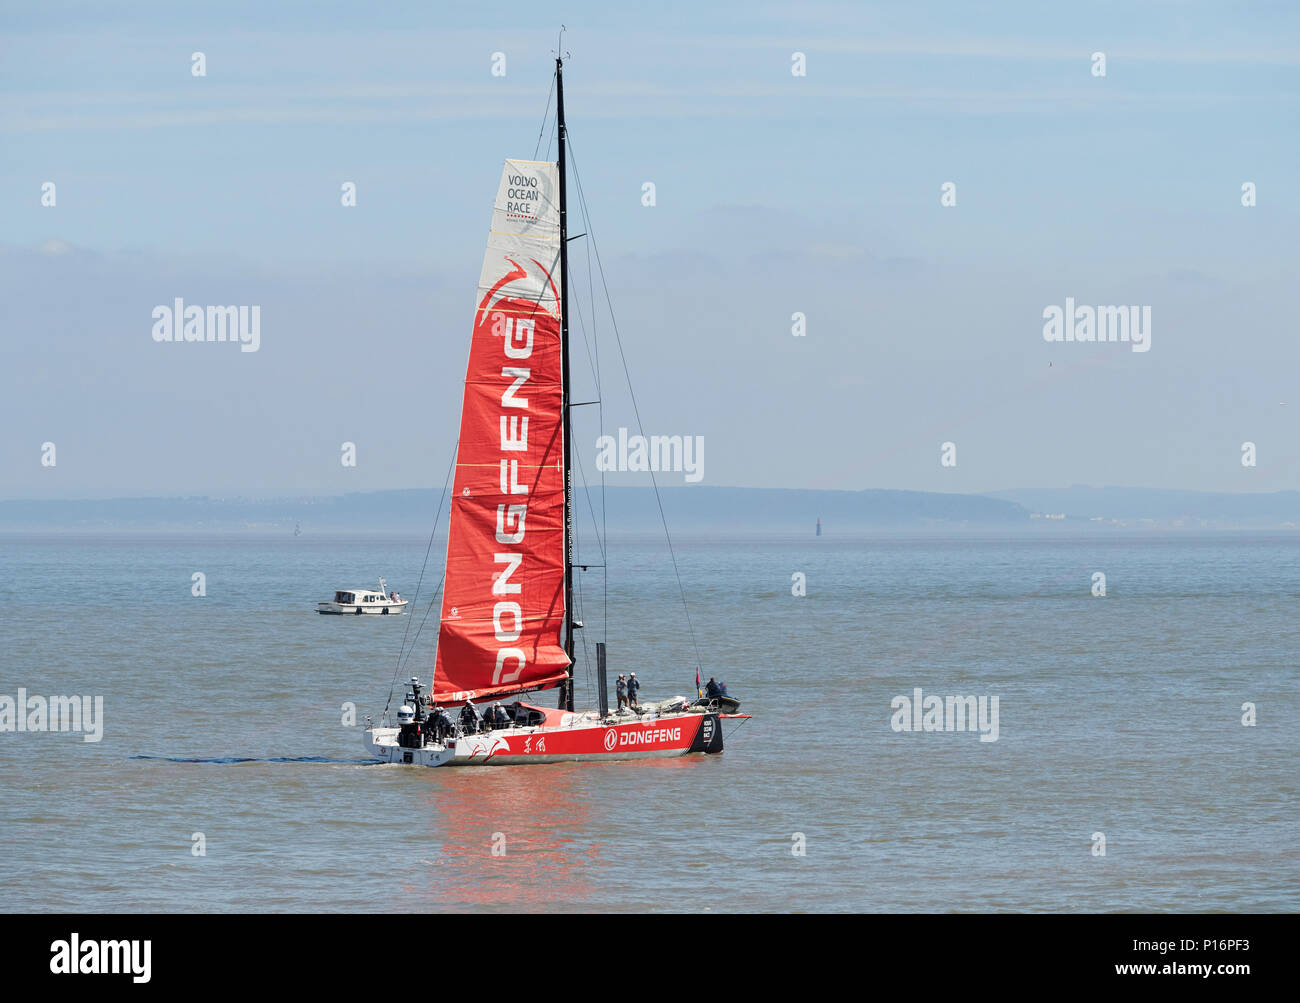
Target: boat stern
x: 382, y: 744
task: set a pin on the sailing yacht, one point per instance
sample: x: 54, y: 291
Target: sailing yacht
x: 507, y: 624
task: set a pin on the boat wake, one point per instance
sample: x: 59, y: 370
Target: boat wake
x: 226, y: 760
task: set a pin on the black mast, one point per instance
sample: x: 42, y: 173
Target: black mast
x: 566, y: 691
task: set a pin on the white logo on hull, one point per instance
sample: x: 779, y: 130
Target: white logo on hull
x: 651, y: 736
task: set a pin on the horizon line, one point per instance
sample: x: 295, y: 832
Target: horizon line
x: 290, y: 495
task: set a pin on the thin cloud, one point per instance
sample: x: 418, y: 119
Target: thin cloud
x: 406, y: 104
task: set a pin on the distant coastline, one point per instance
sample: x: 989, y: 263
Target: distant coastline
x: 690, y: 509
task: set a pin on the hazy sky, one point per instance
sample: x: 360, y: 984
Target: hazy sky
x: 775, y: 194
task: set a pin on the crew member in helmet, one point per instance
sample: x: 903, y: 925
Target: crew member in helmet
x: 440, y: 724
x: 469, y: 719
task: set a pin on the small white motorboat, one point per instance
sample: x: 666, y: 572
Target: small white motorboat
x: 356, y: 602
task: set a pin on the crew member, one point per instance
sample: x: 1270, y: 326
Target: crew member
x: 440, y: 724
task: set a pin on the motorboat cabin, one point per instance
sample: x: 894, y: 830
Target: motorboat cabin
x: 358, y: 602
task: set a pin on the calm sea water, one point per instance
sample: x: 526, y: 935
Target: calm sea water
x: 1118, y: 715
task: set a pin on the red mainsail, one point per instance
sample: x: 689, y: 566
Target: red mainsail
x: 503, y: 597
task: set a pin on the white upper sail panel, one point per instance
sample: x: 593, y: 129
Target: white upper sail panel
x: 525, y: 232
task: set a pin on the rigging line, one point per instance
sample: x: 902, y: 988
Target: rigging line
x: 732, y: 736
x: 591, y: 355
x: 583, y: 328
x: 551, y: 141
x: 585, y: 487
x: 578, y: 613
x: 545, y: 114
x: 446, y: 481
x: 586, y: 655
x: 427, y: 611
x: 604, y: 516
x: 599, y: 542
x: 618, y: 340
x: 582, y: 472
x: 593, y: 359
x: 600, y: 399
x: 592, y: 345
x: 427, y: 550
x: 433, y: 600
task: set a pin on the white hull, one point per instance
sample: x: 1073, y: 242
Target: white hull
x: 368, y: 609
x: 585, y: 738
x: 382, y: 744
